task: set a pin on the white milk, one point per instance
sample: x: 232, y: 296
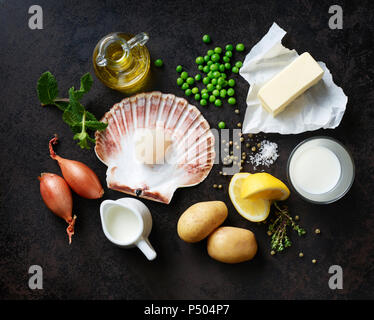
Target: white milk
x: 316, y: 170
x: 122, y: 224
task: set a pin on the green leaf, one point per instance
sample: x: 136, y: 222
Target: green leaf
x: 75, y: 105
x: 62, y: 105
x: 96, y: 125
x: 71, y: 118
x: 86, y: 84
x: 47, y: 88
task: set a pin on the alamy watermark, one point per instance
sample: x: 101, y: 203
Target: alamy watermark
x: 336, y: 280
x: 36, y: 20
x: 36, y: 280
x: 336, y: 20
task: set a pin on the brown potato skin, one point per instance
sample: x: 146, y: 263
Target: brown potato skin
x: 232, y: 245
x: 201, y: 219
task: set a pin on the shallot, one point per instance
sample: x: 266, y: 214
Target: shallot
x: 79, y: 177
x: 57, y: 196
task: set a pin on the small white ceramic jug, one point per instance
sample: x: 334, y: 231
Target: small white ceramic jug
x: 136, y: 211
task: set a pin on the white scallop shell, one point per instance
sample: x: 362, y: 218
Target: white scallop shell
x: 190, y: 157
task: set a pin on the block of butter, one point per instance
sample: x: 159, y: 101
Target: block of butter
x: 291, y: 82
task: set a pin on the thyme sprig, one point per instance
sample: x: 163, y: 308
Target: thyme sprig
x: 278, y: 229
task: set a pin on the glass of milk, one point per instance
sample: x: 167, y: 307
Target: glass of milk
x: 320, y: 170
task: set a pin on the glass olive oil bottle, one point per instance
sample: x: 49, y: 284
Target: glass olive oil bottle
x: 122, y: 62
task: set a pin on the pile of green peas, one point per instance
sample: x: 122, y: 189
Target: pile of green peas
x: 215, y: 65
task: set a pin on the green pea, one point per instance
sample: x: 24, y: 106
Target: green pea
x: 209, y: 63
x: 180, y: 81
x: 188, y: 92
x: 215, y: 57
x: 213, y: 81
x: 222, y: 68
x: 205, y: 95
x: 206, y: 80
x: 231, y: 82
x: 235, y: 69
x: 185, y: 86
x: 206, y: 58
x: 210, y: 53
x: 159, y: 63
x: 238, y: 64
x: 190, y: 80
x: 210, y: 74
x: 223, y: 75
x: 220, y: 80
x: 206, y: 69
x: 198, y: 77
x: 218, y: 50
x: 218, y: 87
x: 230, y: 92
x: 206, y: 38
x: 215, y: 93
x: 221, y: 125
x: 212, y: 98
x: 184, y: 75
x: 231, y: 100
x: 179, y: 69
x: 227, y: 65
x: 218, y: 103
x: 204, y: 90
x: 216, y: 74
x: 229, y: 47
x: 239, y: 47
x: 228, y: 54
x: 210, y: 87
x: 214, y: 67
x: 199, y: 60
x: 200, y: 67
x: 223, y: 93
x: 195, y: 90
x: 226, y: 59
x: 197, y: 97
x: 203, y: 102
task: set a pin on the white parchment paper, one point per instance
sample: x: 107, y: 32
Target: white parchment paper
x: 321, y: 106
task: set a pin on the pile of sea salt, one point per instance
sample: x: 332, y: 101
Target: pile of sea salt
x: 266, y: 156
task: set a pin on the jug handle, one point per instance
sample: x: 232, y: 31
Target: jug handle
x: 140, y: 39
x: 147, y: 249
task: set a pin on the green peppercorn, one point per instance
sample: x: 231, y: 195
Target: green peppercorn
x: 203, y: 102
x: 218, y: 102
x: 206, y: 38
x: 185, y: 86
x: 158, y: 63
x: 199, y: 60
x: 239, y: 47
x: 230, y: 92
x: 222, y: 125
x: 190, y: 80
x: 229, y: 47
x: 184, y: 75
x: 231, y: 100
x: 235, y: 70
x: 231, y: 82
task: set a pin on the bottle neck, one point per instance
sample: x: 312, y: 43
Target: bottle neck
x: 114, y: 53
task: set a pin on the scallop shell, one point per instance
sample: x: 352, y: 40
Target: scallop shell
x: 190, y: 156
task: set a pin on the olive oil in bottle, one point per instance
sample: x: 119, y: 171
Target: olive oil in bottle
x: 122, y: 62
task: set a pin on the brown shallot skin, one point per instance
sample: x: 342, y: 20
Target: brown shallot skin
x: 57, y: 196
x: 79, y: 177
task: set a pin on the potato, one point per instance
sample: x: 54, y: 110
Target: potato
x: 232, y: 245
x: 199, y: 220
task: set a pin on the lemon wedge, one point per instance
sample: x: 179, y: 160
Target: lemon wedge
x: 253, y: 210
x: 264, y: 186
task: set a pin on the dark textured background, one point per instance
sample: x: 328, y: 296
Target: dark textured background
x: 92, y: 268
